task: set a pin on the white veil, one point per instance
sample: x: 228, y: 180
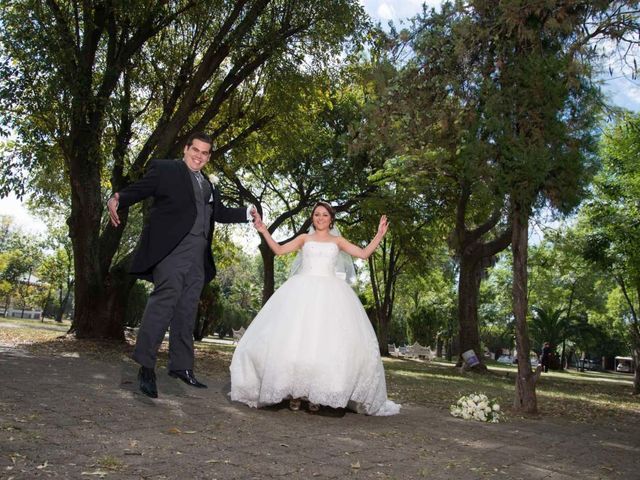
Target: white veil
x: 345, y: 268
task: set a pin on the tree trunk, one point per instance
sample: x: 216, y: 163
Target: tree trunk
x: 63, y: 305
x: 468, y: 292
x: 525, y: 398
x: 383, y: 333
x: 474, y: 256
x: 268, y: 275
x: 100, y: 295
x: 634, y: 328
x: 101, y: 313
x: 202, y: 325
x: 383, y: 292
x: 636, y: 375
x: 46, y: 303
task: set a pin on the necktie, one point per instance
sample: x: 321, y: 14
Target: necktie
x: 198, y: 179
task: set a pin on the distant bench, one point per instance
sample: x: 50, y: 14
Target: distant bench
x: 411, y: 351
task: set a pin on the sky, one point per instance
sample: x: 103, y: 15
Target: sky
x: 620, y: 90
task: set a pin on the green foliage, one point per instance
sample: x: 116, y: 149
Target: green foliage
x: 613, y: 213
x: 425, y: 323
x: 230, y: 55
x: 553, y: 326
x: 138, y: 296
x: 91, y: 91
x: 19, y: 264
x: 611, y: 224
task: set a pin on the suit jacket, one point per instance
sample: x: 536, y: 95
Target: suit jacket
x: 172, y: 215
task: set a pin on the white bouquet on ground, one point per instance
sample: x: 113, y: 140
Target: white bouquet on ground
x: 477, y: 406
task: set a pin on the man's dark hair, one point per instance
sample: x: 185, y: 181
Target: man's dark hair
x: 203, y: 137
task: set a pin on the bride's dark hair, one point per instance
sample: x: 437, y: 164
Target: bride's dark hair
x: 329, y: 209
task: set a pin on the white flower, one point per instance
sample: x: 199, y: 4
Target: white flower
x: 477, y: 407
x: 214, y: 179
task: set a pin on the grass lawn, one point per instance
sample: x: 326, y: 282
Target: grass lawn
x: 578, y: 396
x: 593, y: 397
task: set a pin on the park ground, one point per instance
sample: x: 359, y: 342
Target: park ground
x: 70, y: 409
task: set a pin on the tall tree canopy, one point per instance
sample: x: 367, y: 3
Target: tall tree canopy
x: 92, y: 90
x: 497, y: 110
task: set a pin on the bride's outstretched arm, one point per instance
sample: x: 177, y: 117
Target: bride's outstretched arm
x: 365, y: 252
x: 275, y: 247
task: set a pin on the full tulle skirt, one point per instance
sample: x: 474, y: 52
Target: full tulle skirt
x: 311, y: 340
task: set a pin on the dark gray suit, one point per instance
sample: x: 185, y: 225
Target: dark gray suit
x: 175, y: 253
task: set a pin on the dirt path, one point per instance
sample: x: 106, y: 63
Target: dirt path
x: 75, y: 417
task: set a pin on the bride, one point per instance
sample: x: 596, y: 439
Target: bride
x: 313, y: 340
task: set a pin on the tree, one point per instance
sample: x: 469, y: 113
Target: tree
x: 429, y: 119
x: 506, y: 113
x: 101, y: 87
x: 546, y: 105
x: 562, y: 280
x: 613, y: 216
x: 56, y: 268
x: 543, y: 103
x: 556, y: 327
x: 20, y: 264
x: 302, y: 158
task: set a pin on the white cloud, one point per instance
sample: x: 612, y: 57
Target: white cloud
x: 386, y: 12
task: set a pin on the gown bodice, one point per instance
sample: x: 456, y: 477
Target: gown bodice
x: 319, y: 258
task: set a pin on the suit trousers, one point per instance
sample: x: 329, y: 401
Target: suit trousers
x: 178, y: 280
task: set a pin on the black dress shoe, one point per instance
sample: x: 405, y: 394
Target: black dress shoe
x: 187, y: 377
x: 147, y: 378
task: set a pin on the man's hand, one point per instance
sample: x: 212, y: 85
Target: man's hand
x: 112, y: 205
x: 254, y: 213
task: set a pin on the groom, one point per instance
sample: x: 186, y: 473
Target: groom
x: 174, y: 252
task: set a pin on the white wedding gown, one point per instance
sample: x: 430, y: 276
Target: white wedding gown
x: 312, y: 340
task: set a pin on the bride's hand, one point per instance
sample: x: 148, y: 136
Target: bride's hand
x: 259, y: 224
x: 383, y: 226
